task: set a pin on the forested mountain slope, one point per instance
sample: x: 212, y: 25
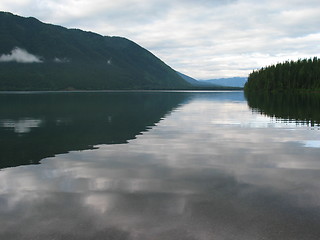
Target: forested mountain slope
x: 39, y: 56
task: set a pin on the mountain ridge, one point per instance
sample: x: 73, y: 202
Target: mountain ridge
x: 228, y: 82
x: 76, y: 59
x: 234, y: 82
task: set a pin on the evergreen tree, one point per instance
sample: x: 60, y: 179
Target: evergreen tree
x: 290, y: 75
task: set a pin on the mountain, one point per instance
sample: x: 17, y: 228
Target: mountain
x: 222, y: 83
x: 40, y: 56
x: 189, y: 79
x: 227, y: 82
x: 197, y: 83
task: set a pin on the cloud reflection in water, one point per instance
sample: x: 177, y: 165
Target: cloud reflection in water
x: 206, y: 171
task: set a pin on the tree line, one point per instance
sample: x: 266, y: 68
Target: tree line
x: 303, y: 74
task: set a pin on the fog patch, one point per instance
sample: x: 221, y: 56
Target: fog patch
x: 21, y: 56
x: 61, y: 60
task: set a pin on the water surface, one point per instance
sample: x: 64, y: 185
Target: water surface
x: 155, y: 165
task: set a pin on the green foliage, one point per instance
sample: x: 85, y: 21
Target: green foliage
x: 86, y: 60
x: 290, y: 75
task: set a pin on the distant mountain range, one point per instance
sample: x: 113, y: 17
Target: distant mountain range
x: 228, y: 82
x: 195, y: 82
x: 237, y: 82
x: 39, y: 56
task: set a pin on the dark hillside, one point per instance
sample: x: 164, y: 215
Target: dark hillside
x: 60, y: 58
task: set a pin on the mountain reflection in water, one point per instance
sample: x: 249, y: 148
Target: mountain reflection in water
x: 208, y: 168
x: 35, y: 126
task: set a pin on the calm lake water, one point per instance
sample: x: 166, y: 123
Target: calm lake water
x: 160, y: 166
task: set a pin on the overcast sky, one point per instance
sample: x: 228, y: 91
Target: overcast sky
x: 202, y: 38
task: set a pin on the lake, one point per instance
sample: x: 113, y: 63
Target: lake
x: 159, y: 165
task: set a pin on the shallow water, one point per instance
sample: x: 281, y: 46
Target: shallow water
x: 155, y: 165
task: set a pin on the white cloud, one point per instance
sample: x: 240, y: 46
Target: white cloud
x: 21, y: 56
x: 187, y: 35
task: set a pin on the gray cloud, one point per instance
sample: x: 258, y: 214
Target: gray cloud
x: 202, y: 38
x: 21, y: 56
